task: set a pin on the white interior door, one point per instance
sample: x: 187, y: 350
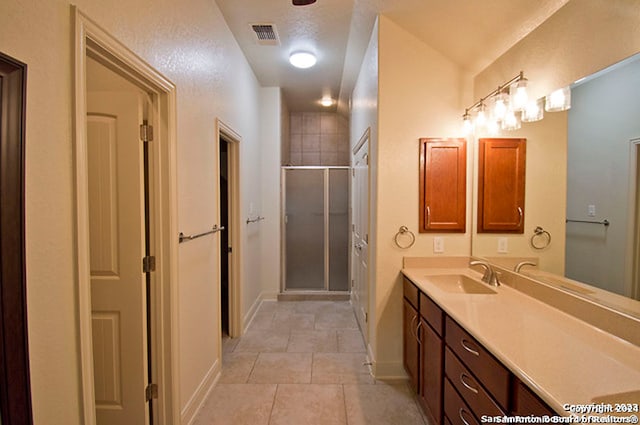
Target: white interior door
x: 360, y: 237
x: 117, y: 244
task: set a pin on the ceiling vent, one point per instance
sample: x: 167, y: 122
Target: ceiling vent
x: 266, y: 34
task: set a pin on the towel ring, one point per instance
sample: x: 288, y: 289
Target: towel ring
x: 402, y: 231
x: 544, y: 235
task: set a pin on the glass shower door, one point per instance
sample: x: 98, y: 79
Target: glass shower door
x: 338, y: 237
x: 304, y: 229
x: 316, y: 228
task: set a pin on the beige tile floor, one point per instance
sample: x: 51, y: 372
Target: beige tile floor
x: 303, y: 363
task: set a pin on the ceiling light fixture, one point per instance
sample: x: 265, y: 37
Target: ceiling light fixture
x: 302, y: 59
x: 303, y: 2
x: 326, y: 102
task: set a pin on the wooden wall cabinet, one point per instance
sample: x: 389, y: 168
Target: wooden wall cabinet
x: 443, y: 185
x: 501, y: 185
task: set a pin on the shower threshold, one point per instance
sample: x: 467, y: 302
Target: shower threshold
x: 314, y: 296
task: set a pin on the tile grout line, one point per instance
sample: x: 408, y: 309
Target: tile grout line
x: 344, y: 400
x: 273, y: 403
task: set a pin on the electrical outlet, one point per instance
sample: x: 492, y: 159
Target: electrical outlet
x: 503, y: 245
x: 438, y: 245
x: 591, y: 210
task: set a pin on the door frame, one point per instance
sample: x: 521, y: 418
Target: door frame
x: 226, y: 133
x: 632, y: 269
x: 15, y: 396
x: 163, y: 189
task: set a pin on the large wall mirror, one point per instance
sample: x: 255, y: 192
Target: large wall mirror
x: 583, y: 188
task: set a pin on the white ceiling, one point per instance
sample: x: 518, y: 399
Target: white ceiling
x: 471, y: 33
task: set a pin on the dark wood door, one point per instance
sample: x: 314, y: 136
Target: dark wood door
x: 443, y: 185
x: 431, y: 372
x: 15, y: 394
x: 411, y: 350
x: 501, y: 185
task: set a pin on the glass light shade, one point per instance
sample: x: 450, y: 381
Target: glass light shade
x: 518, y: 95
x: 534, y: 111
x: 511, y: 121
x: 467, y: 124
x: 492, y: 127
x: 498, y: 106
x: 559, y: 100
x: 481, y: 116
x: 302, y: 59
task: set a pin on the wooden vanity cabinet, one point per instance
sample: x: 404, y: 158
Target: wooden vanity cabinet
x: 410, y: 321
x: 457, y: 380
x: 527, y: 403
x: 443, y: 185
x: 478, y: 362
x: 431, y: 359
x: 423, y: 326
x: 501, y: 185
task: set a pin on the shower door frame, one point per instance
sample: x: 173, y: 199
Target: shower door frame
x: 283, y: 229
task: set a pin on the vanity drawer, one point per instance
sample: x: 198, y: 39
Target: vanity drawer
x: 525, y: 403
x: 411, y: 292
x: 485, y: 368
x: 469, y: 388
x: 455, y: 409
x: 432, y: 313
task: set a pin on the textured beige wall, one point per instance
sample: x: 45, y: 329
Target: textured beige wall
x: 363, y: 117
x: 420, y: 95
x: 194, y: 48
x: 582, y: 37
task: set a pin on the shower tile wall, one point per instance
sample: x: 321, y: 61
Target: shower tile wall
x: 319, y: 138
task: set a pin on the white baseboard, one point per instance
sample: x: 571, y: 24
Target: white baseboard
x: 264, y: 296
x: 389, y: 371
x: 195, y: 403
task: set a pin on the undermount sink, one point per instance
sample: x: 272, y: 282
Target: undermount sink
x: 460, y: 284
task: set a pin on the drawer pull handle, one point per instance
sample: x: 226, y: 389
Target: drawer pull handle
x: 418, y: 333
x: 411, y: 328
x: 460, y: 413
x: 469, y: 387
x: 464, y: 343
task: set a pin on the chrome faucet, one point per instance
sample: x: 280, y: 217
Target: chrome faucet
x: 490, y: 276
x: 522, y: 264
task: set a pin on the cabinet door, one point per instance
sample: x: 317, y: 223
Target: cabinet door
x: 431, y: 366
x: 443, y: 185
x: 410, y: 343
x: 501, y: 184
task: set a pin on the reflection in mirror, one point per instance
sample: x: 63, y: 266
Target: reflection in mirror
x: 582, y: 169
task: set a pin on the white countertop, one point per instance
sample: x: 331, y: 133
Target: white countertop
x: 562, y: 359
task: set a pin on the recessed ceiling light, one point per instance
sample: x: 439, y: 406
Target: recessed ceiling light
x: 302, y: 59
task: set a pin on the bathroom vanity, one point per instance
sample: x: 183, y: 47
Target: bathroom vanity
x: 474, y: 350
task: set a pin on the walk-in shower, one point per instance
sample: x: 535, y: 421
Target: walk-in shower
x: 315, y: 223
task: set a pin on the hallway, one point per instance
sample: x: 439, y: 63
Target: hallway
x: 302, y: 362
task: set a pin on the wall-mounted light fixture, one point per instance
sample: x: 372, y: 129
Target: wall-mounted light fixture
x: 509, y: 105
x: 559, y: 100
x: 302, y: 59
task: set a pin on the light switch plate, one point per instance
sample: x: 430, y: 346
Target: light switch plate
x: 503, y: 245
x: 591, y: 210
x: 438, y: 245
